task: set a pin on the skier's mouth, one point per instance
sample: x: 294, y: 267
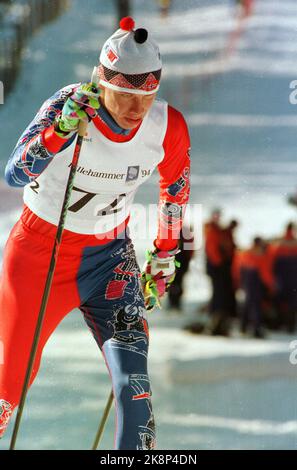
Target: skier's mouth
x: 134, y: 120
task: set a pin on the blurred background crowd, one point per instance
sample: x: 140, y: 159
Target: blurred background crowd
x: 254, y: 288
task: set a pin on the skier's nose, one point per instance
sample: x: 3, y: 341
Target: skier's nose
x: 137, y: 106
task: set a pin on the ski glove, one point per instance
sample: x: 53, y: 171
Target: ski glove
x: 81, y: 105
x: 157, y: 275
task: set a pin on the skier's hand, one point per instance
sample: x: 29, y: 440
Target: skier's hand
x: 157, y: 275
x: 81, y: 105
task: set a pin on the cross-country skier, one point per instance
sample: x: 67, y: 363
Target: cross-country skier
x: 129, y: 134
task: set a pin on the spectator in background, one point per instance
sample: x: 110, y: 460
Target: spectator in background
x: 186, y: 246
x: 228, y: 247
x: 253, y: 273
x: 216, y: 267
x: 284, y: 264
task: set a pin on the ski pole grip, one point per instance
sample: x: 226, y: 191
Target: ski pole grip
x: 82, y: 128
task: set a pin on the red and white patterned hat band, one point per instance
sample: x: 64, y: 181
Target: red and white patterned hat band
x: 144, y: 83
x: 130, y: 61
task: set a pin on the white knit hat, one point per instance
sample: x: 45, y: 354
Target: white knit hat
x: 130, y: 61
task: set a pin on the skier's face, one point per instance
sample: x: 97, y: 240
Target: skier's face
x: 127, y: 109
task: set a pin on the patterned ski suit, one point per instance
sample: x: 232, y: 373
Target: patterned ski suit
x: 96, y: 269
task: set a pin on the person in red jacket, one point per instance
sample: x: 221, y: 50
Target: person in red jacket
x: 253, y: 272
x: 130, y: 133
x: 218, y: 267
x: 283, y: 255
x: 228, y: 249
x: 212, y: 234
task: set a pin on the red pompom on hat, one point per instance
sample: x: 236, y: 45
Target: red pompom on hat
x: 127, y: 23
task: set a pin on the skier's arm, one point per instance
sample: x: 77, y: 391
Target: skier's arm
x: 174, y: 173
x: 39, y: 142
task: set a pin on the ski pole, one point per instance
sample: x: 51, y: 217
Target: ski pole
x: 81, y: 132
x: 103, y: 421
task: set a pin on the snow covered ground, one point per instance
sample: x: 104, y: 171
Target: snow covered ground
x: 208, y: 393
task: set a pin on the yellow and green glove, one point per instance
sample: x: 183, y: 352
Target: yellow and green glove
x: 157, y: 275
x: 81, y: 105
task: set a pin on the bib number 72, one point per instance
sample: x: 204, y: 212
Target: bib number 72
x: 78, y: 205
